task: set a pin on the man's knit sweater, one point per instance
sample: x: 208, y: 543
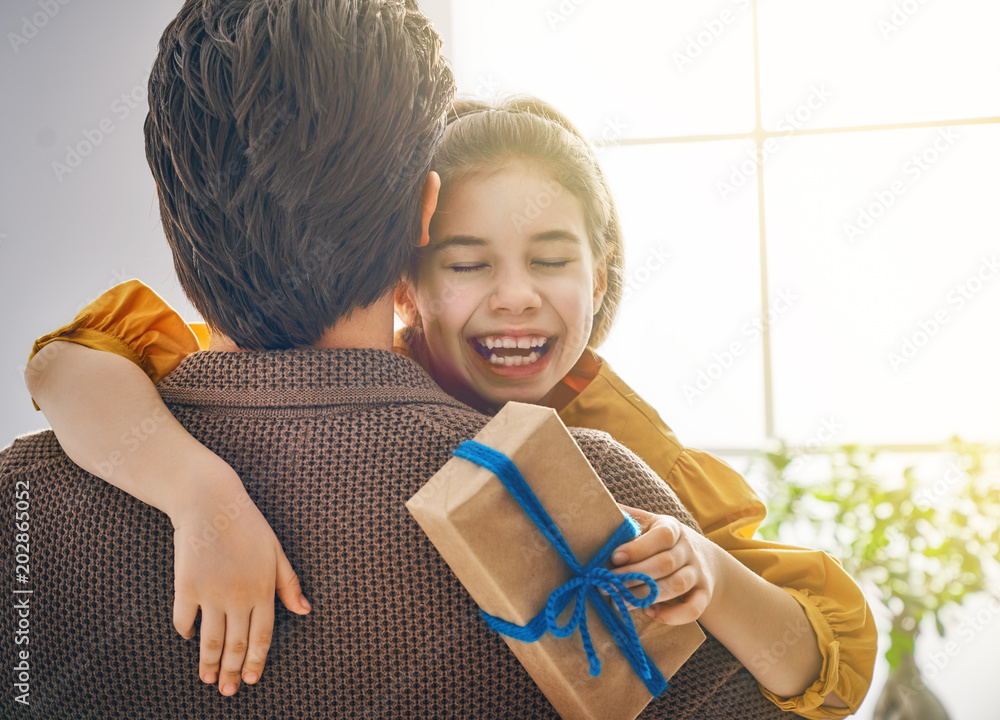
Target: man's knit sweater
x: 330, y: 444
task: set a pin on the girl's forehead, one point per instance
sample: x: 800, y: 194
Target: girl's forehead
x: 524, y: 170
x: 514, y: 200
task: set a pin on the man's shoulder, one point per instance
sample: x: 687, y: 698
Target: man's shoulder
x: 597, y: 443
x: 29, y: 452
x: 627, y: 477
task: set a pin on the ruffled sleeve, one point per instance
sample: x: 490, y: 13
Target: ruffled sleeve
x: 729, y: 513
x: 835, y: 607
x: 133, y: 321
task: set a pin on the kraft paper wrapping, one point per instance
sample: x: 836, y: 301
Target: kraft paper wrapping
x: 510, y: 568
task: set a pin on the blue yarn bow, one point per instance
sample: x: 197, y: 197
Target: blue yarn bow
x: 586, y: 582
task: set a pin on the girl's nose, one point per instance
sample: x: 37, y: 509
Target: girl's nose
x: 515, y: 293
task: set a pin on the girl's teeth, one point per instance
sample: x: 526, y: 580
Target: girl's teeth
x: 514, y: 360
x: 523, y: 343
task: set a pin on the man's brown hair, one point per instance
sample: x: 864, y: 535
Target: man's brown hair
x: 289, y: 140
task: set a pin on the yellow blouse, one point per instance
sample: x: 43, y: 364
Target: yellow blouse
x: 133, y: 321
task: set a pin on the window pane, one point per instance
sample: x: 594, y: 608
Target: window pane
x: 889, y: 240
x: 682, y: 314
x: 904, y: 61
x: 655, y: 68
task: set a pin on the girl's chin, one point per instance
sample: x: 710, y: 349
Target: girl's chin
x: 527, y: 395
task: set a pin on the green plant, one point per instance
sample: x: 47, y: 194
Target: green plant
x: 917, y: 546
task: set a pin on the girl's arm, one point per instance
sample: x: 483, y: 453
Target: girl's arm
x: 110, y: 420
x: 760, y: 624
x: 729, y: 512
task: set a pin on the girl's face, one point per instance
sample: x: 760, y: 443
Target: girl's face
x: 508, y: 286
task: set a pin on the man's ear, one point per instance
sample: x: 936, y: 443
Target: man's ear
x: 428, y: 204
x: 406, y: 307
x: 600, y: 281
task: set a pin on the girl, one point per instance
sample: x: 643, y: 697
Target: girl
x: 518, y: 284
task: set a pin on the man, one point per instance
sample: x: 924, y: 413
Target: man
x: 290, y: 143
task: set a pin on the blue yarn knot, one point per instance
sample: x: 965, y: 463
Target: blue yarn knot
x: 586, y: 583
x: 577, y: 591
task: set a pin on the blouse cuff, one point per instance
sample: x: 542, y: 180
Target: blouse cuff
x: 810, y: 703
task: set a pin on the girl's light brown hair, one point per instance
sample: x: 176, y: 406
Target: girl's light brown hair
x: 484, y: 137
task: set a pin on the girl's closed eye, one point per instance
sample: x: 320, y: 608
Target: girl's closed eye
x: 553, y: 263
x: 467, y: 268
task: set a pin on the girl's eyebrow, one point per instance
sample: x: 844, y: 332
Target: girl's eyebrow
x: 556, y: 236
x: 474, y: 241
x: 460, y: 240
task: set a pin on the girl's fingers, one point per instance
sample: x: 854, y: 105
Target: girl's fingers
x: 261, y: 628
x: 659, y: 565
x: 185, y: 613
x: 288, y: 588
x: 213, y: 635
x: 642, y: 517
x: 662, y: 536
x: 681, y: 612
x: 677, y: 585
x: 234, y: 652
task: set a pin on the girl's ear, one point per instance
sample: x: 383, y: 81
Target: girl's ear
x: 600, y: 281
x: 406, y: 308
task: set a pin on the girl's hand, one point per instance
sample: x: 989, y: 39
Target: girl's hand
x: 229, y: 564
x: 680, y: 561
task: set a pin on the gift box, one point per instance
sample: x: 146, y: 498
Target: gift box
x: 532, y: 556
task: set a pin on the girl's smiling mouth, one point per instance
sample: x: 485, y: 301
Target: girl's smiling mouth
x: 512, y: 351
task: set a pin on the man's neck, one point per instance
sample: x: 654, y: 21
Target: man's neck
x: 369, y: 328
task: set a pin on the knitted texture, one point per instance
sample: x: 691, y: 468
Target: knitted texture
x: 330, y: 444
